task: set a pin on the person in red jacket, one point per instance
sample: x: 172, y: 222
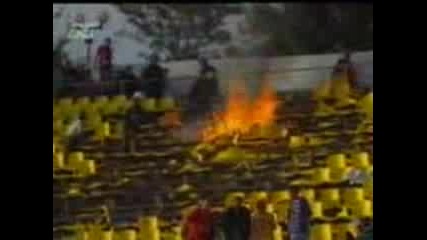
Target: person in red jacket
x: 104, y: 58
x: 199, y: 224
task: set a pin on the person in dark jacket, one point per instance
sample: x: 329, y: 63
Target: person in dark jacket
x: 299, y: 217
x: 237, y: 221
x: 206, y: 88
x: 154, y: 79
x: 345, y: 66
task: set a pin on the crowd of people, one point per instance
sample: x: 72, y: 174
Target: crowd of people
x: 152, y: 81
x: 238, y: 222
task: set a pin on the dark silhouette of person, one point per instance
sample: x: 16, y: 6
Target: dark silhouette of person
x: 345, y: 66
x: 206, y: 89
x: 154, y: 79
x: 237, y: 221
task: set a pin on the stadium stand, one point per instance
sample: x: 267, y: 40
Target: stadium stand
x: 101, y: 192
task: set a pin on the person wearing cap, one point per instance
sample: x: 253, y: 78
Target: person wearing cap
x: 237, y: 221
x: 154, y: 78
x: 206, y: 89
x: 104, y: 59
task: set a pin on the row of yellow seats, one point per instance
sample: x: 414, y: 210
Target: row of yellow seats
x: 358, y: 160
x: 353, y: 198
x: 148, y: 230
x: 119, y: 104
x: 365, y: 105
x: 323, y: 231
x: 82, y: 167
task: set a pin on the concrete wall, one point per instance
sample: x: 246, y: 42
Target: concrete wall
x: 286, y: 73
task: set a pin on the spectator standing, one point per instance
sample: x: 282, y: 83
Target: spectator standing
x: 206, y: 88
x: 104, y: 59
x: 263, y: 223
x: 237, y: 221
x: 154, y: 77
x: 199, y: 224
x: 299, y: 217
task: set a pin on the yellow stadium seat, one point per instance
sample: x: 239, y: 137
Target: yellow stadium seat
x: 120, y: 99
x: 107, y: 235
x: 95, y: 231
x: 296, y: 141
x: 166, y: 104
x: 126, y: 234
x: 340, y: 174
x: 83, y: 101
x: 87, y: 167
x: 363, y: 209
x: 71, y: 112
x: 65, y: 102
x: 278, y: 196
x: 366, y: 104
x: 75, y: 159
x: 94, y: 121
x: 58, y: 160
x: 330, y: 198
x: 336, y: 161
x: 308, y: 194
x: 330, y: 194
x: 368, y: 189
x: 148, y: 228
x: 317, y: 210
x: 82, y: 233
x: 353, y: 195
x: 321, y: 232
x: 343, y: 228
x: 102, y: 131
x: 322, y: 175
x: 110, y: 108
x: 148, y: 105
x: 315, y: 141
x: 101, y: 100
x: 361, y: 160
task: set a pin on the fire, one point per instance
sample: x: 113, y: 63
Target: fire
x: 241, y: 115
x: 171, y: 119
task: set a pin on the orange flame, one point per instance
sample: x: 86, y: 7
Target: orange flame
x: 241, y: 115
